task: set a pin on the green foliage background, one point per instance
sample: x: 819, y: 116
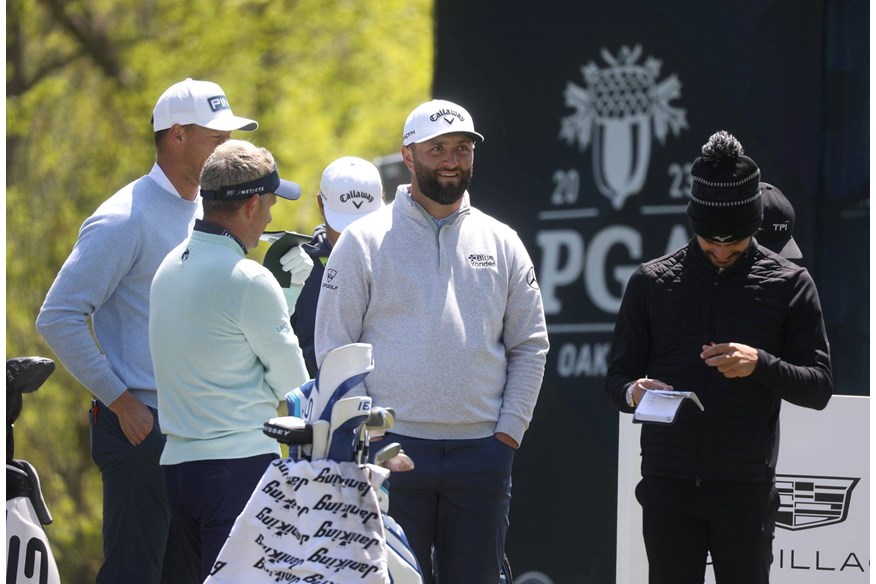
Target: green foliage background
x: 324, y: 78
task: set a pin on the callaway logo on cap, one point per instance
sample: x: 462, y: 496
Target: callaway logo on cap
x: 197, y: 102
x: 435, y: 118
x: 349, y: 189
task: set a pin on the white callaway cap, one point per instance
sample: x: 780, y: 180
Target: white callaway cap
x: 350, y: 188
x: 197, y: 102
x: 435, y: 118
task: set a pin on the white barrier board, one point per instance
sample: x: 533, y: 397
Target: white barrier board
x: 823, y: 477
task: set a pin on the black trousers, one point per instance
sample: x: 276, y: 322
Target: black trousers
x: 682, y: 523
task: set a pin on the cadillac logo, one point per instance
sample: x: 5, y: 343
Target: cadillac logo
x: 806, y: 502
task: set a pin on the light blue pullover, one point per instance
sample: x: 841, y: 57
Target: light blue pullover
x: 106, y: 280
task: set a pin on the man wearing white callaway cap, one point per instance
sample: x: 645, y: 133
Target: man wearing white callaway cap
x: 350, y: 188
x: 106, y: 281
x: 447, y: 297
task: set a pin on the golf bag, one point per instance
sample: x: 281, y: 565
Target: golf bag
x: 29, y: 557
x: 320, y: 514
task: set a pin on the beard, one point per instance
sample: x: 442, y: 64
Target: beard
x: 430, y: 186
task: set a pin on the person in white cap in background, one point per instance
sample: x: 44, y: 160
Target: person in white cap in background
x: 777, y: 228
x: 448, y: 299
x: 106, y: 281
x: 223, y: 351
x: 350, y: 188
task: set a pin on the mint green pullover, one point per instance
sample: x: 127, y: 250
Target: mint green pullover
x: 223, y: 351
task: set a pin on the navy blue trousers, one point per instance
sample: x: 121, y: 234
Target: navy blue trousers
x: 206, y: 496
x: 682, y: 523
x: 140, y: 543
x: 456, y: 499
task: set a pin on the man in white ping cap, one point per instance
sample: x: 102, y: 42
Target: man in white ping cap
x: 447, y: 296
x: 350, y: 188
x: 105, y: 283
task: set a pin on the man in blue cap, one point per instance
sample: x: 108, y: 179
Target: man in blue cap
x: 223, y: 350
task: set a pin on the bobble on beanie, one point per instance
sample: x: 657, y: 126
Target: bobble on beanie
x: 725, y: 201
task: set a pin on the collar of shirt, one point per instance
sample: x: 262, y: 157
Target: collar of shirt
x: 157, y: 174
x: 213, y: 229
x: 406, y: 191
x: 440, y: 222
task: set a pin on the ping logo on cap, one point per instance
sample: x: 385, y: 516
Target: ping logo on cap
x: 218, y: 102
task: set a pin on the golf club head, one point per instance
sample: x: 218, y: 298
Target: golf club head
x: 342, y: 369
x: 387, y: 452
x: 381, y: 419
x: 347, y: 417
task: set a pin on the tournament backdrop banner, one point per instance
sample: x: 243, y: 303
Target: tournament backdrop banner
x: 592, y: 114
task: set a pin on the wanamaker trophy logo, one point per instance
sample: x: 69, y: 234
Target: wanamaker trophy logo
x: 616, y: 111
x: 806, y: 502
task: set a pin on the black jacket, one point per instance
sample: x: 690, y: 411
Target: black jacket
x: 674, y: 305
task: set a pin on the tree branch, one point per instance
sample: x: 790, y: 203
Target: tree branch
x: 92, y: 38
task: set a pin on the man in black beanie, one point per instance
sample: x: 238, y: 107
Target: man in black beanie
x: 742, y: 328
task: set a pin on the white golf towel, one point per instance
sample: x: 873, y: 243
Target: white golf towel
x: 308, y: 522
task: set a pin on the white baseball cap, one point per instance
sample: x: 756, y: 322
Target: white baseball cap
x: 435, y: 118
x: 197, y: 102
x: 350, y: 188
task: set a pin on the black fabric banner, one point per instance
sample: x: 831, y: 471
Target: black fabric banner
x: 592, y: 114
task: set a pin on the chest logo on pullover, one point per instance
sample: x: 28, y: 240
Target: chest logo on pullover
x: 481, y: 260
